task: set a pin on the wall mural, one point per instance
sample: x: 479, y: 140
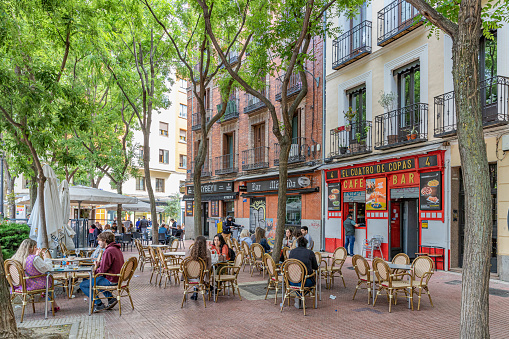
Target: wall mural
x: 257, y: 214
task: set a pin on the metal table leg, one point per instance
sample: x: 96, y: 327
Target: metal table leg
x: 91, y: 296
x: 47, y: 292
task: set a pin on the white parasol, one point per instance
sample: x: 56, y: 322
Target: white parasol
x: 65, y: 202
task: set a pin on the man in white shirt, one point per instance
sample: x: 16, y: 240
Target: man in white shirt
x: 305, y: 234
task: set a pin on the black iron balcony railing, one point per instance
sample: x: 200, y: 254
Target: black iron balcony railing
x: 206, y: 169
x: 226, y: 164
x: 396, y: 20
x: 352, y: 45
x: 254, y: 104
x: 197, y: 120
x: 494, y: 104
x: 351, y: 140
x: 404, y: 125
x: 255, y: 158
x: 294, y: 86
x: 232, y: 110
x: 298, y: 150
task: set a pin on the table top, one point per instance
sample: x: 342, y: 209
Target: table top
x: 175, y: 253
x: 72, y: 259
x: 84, y: 249
x: 400, y: 267
x: 59, y: 269
x: 162, y: 246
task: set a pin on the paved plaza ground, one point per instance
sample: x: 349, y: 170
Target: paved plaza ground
x: 157, y: 312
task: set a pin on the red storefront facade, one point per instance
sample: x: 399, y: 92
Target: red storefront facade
x: 399, y: 200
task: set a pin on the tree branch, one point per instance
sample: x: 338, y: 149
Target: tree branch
x: 437, y: 19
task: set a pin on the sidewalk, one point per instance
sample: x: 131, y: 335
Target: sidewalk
x: 157, y: 312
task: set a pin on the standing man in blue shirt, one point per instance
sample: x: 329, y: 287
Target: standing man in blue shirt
x: 349, y: 226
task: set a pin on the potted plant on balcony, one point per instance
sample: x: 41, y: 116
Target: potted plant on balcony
x: 350, y: 116
x: 412, y: 135
x: 342, y: 149
x: 388, y: 101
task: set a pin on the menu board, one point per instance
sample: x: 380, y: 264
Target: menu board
x: 376, y: 194
x: 214, y: 208
x: 189, y: 208
x: 334, y: 196
x: 431, y: 191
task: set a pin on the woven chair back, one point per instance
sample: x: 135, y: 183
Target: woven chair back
x: 294, y: 271
x: 361, y: 266
x: 258, y: 251
x: 162, y: 259
x: 422, y: 265
x: 127, y: 271
x: 239, y: 258
x: 228, y: 242
x: 245, y: 248
x: 47, y: 254
x: 153, y: 255
x: 270, y: 265
x: 191, y: 246
x: 401, y: 259
x: 174, y: 245
x: 235, y: 243
x: 192, y: 269
x: 340, y: 253
x: 15, y: 273
x: 318, y: 257
x: 382, y: 270
x: 286, y: 252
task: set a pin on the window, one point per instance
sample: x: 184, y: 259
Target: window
x: 183, y: 83
x: 183, y: 111
x: 140, y: 184
x: 357, y: 101
x: 183, y: 135
x: 409, y: 85
x: 140, y: 152
x: 163, y: 129
x: 163, y: 156
x: 228, y: 209
x: 25, y: 183
x: 228, y: 150
x: 183, y: 161
x: 293, y: 210
x: 159, y: 185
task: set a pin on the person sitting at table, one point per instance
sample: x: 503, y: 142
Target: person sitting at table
x: 244, y: 236
x: 200, y: 251
x: 107, y: 228
x: 308, y: 258
x: 179, y: 233
x: 298, y: 234
x: 114, y: 227
x: 260, y: 239
x: 220, y: 247
x: 111, y: 262
x: 30, y: 257
x: 287, y: 242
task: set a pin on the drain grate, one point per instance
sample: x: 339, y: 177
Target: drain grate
x: 453, y: 282
x: 499, y: 293
x: 368, y: 309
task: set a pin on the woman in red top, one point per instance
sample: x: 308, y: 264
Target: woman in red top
x: 220, y: 248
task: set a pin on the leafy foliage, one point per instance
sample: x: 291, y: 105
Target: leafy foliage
x: 11, y: 236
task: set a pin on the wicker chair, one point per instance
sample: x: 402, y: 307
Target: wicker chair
x: 275, y: 281
x: 122, y: 287
x: 247, y: 256
x: 423, y: 268
x: 236, y: 245
x: 324, y: 272
x: 59, y: 279
x: 295, y: 272
x: 257, y: 253
x: 338, y: 259
x: 170, y: 267
x: 64, y: 250
x: 154, y: 260
x: 193, y: 272
x: 143, y: 254
x: 228, y: 276
x: 16, y: 277
x: 76, y: 276
x: 364, y: 276
x: 286, y: 252
x: 387, y: 283
x: 400, y: 259
x: 174, y: 245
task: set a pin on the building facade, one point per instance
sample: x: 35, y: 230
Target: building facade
x: 240, y: 174
x: 392, y: 150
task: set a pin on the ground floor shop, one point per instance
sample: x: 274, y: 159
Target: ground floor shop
x: 399, y: 200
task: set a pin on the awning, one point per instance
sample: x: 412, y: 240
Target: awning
x: 213, y: 197
x: 298, y: 191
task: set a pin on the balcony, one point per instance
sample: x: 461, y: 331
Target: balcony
x: 395, y: 20
x: 402, y: 126
x: 346, y: 141
x: 196, y: 119
x: 298, y: 151
x: 232, y: 57
x: 254, y: 104
x: 255, y: 158
x: 206, y: 169
x: 352, y: 45
x: 494, y: 101
x: 227, y: 164
x: 294, y: 86
x: 232, y: 110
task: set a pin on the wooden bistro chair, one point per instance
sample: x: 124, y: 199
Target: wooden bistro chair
x: 76, y: 276
x: 143, y: 254
x: 364, y: 276
x: 170, y: 267
x: 275, y: 281
x: 17, y: 279
x: 400, y: 259
x: 247, y: 256
x: 423, y: 268
x: 286, y: 252
x: 322, y: 264
x: 59, y: 279
x: 388, y: 283
x: 338, y: 260
x: 228, y: 276
x: 236, y: 245
x: 295, y: 272
x: 174, y: 245
x: 257, y: 253
x: 121, y: 289
x: 193, y: 272
x: 154, y: 260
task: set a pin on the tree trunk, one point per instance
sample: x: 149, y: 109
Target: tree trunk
x: 40, y: 195
x: 478, y: 226
x: 284, y: 151
x: 8, y: 328
x: 119, y: 206
x: 199, y: 161
x: 148, y: 182
x: 33, y: 192
x: 11, y: 209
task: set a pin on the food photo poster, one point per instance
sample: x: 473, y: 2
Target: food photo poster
x: 431, y: 191
x: 376, y: 194
x: 334, y: 197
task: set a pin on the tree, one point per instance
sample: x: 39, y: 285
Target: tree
x: 200, y: 65
x: 8, y: 328
x: 172, y: 208
x: 463, y: 22
x: 277, y: 38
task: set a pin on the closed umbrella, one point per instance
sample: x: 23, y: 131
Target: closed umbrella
x: 65, y: 202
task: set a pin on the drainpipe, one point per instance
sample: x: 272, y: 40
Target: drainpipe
x: 324, y: 114
x: 447, y: 211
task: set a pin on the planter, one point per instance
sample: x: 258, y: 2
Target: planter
x: 348, y: 128
x: 342, y: 150
x: 392, y: 139
x: 358, y: 147
x: 413, y: 136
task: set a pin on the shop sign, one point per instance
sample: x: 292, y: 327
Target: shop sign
x: 424, y: 224
x: 431, y: 191
x: 400, y: 165
x: 376, y: 194
x: 189, y: 208
x: 353, y: 184
x: 273, y: 185
x: 213, y: 187
x: 214, y: 208
x: 404, y: 179
x: 428, y: 161
x: 334, y: 197
x: 358, y: 196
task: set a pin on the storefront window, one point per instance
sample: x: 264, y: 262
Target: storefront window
x: 293, y: 210
x: 228, y: 209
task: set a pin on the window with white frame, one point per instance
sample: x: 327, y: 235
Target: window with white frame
x: 182, y: 161
x: 163, y: 129
x: 140, y: 183
x: 183, y: 84
x: 183, y: 111
x: 183, y: 135
x: 163, y: 156
x: 159, y: 185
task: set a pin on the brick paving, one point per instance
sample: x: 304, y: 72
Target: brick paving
x: 157, y: 312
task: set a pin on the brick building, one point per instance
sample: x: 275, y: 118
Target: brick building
x: 240, y: 175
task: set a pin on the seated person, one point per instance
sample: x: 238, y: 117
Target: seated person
x: 220, y: 247
x: 200, y: 251
x: 107, y: 228
x: 260, y: 239
x: 111, y: 262
x: 244, y: 236
x: 308, y: 258
x: 298, y: 234
x: 179, y: 233
x: 29, y: 256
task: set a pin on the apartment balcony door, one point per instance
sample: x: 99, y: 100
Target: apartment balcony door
x: 259, y: 143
